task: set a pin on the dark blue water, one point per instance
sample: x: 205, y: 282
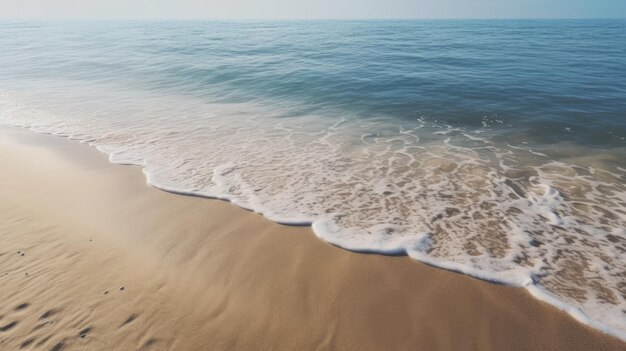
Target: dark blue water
x: 483, y: 146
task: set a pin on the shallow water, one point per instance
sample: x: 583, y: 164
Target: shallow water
x: 494, y: 148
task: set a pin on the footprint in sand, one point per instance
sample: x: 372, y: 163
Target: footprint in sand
x: 27, y: 342
x: 128, y: 320
x: 150, y: 342
x: 22, y: 306
x: 48, y: 313
x: 8, y: 327
x: 59, y: 346
x: 83, y: 333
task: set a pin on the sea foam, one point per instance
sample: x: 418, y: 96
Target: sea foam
x: 450, y: 197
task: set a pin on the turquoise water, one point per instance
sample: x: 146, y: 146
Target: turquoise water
x: 493, y: 148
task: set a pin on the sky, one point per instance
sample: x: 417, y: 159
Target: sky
x: 308, y: 9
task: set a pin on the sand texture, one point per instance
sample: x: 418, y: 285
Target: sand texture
x: 91, y: 258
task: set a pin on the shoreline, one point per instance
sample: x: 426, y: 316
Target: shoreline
x: 528, y: 284
x: 507, y: 311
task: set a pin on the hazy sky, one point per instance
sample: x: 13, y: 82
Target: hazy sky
x: 233, y: 9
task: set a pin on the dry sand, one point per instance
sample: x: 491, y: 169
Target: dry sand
x: 93, y: 259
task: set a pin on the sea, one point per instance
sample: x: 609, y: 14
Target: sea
x: 493, y: 148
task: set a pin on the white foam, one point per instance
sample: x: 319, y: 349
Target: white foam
x: 498, y: 212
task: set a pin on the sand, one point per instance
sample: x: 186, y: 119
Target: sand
x: 91, y: 258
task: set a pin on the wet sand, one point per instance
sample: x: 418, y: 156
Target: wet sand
x: 91, y: 258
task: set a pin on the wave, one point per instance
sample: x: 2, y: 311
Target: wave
x: 452, y: 197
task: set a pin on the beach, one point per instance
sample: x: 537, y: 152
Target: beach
x: 93, y: 258
x: 475, y: 146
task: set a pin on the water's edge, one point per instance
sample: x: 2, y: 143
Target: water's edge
x: 529, y: 285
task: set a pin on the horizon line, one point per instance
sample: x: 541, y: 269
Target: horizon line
x: 38, y: 19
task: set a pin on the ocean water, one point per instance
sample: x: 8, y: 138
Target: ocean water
x: 492, y: 148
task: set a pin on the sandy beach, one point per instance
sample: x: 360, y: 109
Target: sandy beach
x: 91, y: 258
